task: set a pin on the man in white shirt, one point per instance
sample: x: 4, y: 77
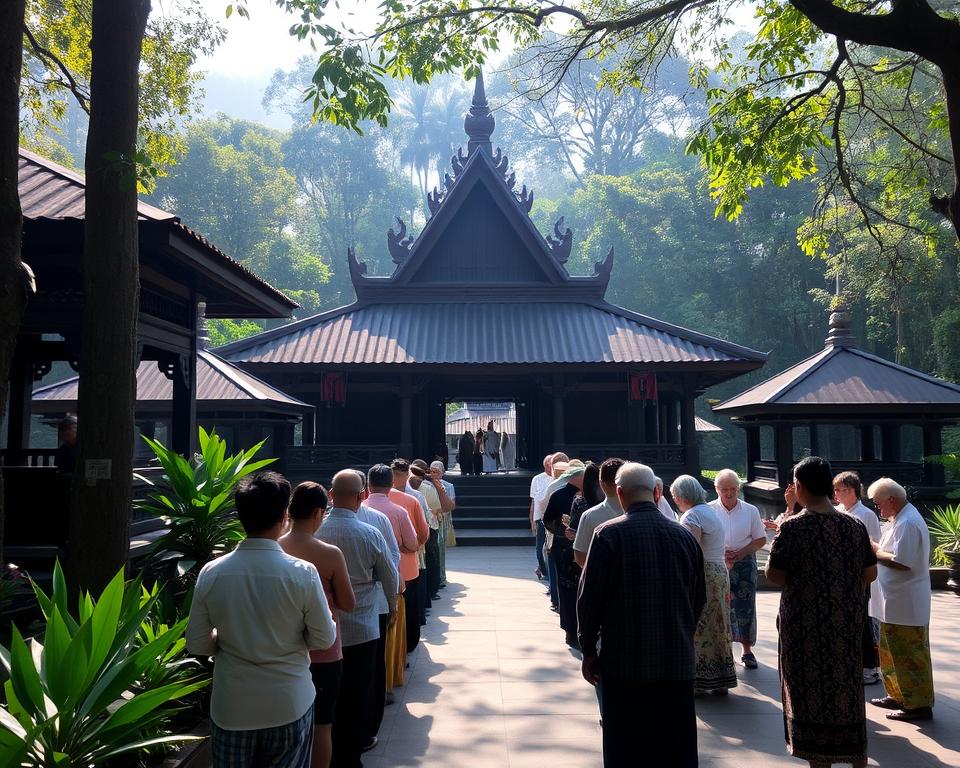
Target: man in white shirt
x: 428, y: 551
x: 900, y: 599
x: 846, y: 491
x: 663, y: 505
x: 538, y: 487
x: 745, y: 535
x: 448, y: 502
x: 258, y: 612
x: 594, y: 517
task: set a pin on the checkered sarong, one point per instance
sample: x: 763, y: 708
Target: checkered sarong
x: 285, y: 746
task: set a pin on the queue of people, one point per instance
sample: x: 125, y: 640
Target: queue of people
x: 310, y: 620
x: 655, y: 603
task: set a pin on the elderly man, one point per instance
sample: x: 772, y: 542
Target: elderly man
x: 412, y: 598
x: 744, y: 535
x: 663, y: 505
x: 596, y: 516
x: 370, y: 567
x: 900, y: 600
x: 642, y: 592
x: 538, y: 486
x: 447, y: 494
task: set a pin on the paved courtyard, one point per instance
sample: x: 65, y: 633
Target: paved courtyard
x: 494, y: 685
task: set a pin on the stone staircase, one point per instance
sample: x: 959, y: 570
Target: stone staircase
x: 493, y: 510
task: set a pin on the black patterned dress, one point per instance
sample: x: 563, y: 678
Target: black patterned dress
x: 820, y: 623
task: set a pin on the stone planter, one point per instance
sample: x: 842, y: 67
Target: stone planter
x: 954, y: 568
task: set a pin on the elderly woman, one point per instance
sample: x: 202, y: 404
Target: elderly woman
x: 715, y: 670
x: 823, y: 559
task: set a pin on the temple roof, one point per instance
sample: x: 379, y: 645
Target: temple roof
x: 842, y: 379
x: 49, y: 192
x: 220, y: 385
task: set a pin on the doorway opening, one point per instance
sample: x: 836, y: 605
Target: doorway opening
x: 483, y: 437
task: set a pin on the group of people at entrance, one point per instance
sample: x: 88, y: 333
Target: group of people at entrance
x: 486, y: 451
x: 310, y: 620
x: 654, y: 601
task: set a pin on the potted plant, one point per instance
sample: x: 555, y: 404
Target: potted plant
x: 195, y: 499
x: 945, y: 530
x: 90, y: 691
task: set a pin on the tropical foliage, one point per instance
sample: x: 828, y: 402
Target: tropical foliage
x: 944, y: 525
x: 90, y: 692
x: 195, y: 499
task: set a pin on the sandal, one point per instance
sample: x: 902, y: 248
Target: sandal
x: 749, y: 661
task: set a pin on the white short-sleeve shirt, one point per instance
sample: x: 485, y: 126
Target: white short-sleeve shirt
x: 742, y: 523
x: 591, y: 520
x: 903, y: 597
x: 868, y: 517
x: 538, y: 487
x: 666, y: 510
x: 712, y: 531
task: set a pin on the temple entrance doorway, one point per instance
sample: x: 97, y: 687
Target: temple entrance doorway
x: 494, y: 425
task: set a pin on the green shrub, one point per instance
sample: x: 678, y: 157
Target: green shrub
x: 85, y: 694
x: 195, y: 498
x: 944, y: 527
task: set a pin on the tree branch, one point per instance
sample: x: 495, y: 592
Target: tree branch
x: 83, y: 98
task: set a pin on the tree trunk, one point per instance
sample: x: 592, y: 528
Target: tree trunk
x: 13, y: 292
x: 99, y: 540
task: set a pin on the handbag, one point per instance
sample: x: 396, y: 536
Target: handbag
x: 450, y: 538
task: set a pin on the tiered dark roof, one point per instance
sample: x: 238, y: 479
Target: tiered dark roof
x: 481, y: 285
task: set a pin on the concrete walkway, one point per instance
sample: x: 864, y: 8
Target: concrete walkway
x: 493, y: 685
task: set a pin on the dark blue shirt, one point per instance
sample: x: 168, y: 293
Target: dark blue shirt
x: 640, y: 597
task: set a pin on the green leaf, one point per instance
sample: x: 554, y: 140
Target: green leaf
x: 25, y: 678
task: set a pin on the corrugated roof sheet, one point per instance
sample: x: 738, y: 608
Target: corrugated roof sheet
x: 218, y: 382
x: 705, y: 426
x: 844, y: 376
x: 493, y: 333
x: 51, y: 191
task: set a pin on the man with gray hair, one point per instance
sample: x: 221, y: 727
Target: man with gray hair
x: 641, y: 594
x: 663, y: 505
x: 745, y: 535
x: 370, y: 566
x: 900, y: 601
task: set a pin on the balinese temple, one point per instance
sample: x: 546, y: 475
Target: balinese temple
x: 480, y: 307
x: 859, y: 411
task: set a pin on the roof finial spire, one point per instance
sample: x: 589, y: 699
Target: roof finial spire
x: 839, y: 334
x: 479, y: 123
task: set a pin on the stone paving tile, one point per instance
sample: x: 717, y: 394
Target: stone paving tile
x: 493, y: 685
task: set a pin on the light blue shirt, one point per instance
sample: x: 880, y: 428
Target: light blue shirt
x: 369, y: 565
x: 382, y: 523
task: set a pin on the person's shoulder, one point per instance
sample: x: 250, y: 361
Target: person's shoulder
x: 748, y: 507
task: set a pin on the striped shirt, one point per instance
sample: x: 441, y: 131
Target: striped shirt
x: 369, y: 565
x: 378, y: 520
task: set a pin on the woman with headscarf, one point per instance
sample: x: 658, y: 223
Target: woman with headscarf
x: 556, y: 519
x: 508, y: 451
x: 465, y: 453
x: 478, y: 452
x: 491, y: 449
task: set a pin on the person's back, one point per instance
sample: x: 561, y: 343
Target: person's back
x: 259, y: 610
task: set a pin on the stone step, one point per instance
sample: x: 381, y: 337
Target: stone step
x: 497, y: 537
x: 508, y: 523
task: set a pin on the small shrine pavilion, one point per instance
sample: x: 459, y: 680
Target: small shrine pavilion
x: 859, y: 411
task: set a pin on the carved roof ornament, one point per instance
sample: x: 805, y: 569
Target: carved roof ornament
x: 479, y: 123
x: 458, y: 161
x: 358, y: 269
x: 501, y: 162
x: 434, y: 199
x: 561, y: 241
x: 525, y: 198
x: 399, y: 242
x: 602, y: 269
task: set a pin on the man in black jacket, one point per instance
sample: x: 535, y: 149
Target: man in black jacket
x: 639, y: 601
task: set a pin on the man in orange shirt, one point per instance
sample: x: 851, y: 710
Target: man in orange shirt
x: 401, y: 474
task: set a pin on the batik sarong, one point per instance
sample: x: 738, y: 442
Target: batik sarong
x: 444, y: 521
x: 905, y: 664
x: 743, y: 600
x: 715, y: 668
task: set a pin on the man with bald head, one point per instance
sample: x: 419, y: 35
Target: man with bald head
x: 639, y: 602
x: 370, y: 567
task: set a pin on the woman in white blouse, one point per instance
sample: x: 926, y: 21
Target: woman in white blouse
x: 715, y: 670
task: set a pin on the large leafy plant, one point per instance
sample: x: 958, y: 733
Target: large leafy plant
x: 944, y: 527
x: 84, y: 696
x: 195, y: 499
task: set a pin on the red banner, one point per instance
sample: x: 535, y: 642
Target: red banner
x: 643, y: 386
x: 333, y: 388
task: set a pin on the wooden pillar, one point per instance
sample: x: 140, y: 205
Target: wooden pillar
x: 890, y: 442
x: 753, y: 450
x: 652, y: 422
x: 933, y: 474
x: 184, y: 416
x: 559, y: 432
x: 18, y: 420
x: 406, y: 418
x: 866, y: 442
x: 814, y: 440
x: 783, y: 453
x: 309, y: 427
x: 688, y: 434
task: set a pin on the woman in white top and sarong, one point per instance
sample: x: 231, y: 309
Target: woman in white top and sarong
x: 715, y: 670
x: 491, y: 449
